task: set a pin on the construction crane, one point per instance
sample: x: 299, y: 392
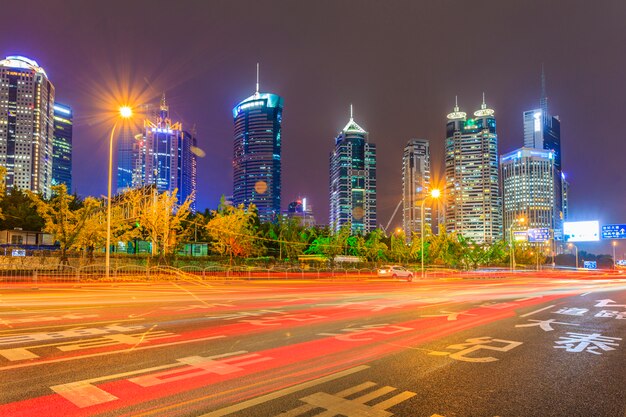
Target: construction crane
x: 392, y: 217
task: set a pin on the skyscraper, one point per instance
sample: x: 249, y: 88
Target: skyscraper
x: 26, y: 124
x: 62, y: 146
x: 161, y: 156
x: 528, y: 189
x: 473, y: 203
x: 415, y: 185
x: 353, y: 180
x: 543, y: 131
x: 256, y: 153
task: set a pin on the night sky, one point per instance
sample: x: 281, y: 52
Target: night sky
x: 400, y: 63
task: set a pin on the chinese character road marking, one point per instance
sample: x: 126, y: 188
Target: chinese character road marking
x: 476, y: 344
x: 85, y: 394
x: 66, y: 334
x: 572, y: 311
x: 545, y: 325
x: 452, y: 315
x: 580, y: 342
x: 608, y: 303
x: 356, y: 334
x: 612, y: 313
x: 339, y: 405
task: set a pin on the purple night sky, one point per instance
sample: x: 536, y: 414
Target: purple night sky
x: 400, y: 63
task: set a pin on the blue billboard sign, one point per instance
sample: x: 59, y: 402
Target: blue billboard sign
x: 590, y: 265
x: 539, y: 235
x: 614, y: 231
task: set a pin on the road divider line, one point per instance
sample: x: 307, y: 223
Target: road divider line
x: 283, y: 392
x: 537, y: 311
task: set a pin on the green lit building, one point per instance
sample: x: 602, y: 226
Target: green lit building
x: 353, y: 180
x: 473, y: 201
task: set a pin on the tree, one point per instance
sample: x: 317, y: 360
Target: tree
x: 373, y: 248
x: 64, y: 216
x: 18, y: 211
x: 157, y: 217
x: 233, y: 231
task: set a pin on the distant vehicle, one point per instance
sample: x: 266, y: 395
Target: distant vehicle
x: 395, y: 271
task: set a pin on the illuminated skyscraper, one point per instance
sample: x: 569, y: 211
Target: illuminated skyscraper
x: 529, y: 179
x: 353, y: 180
x: 543, y: 131
x: 415, y: 185
x: 257, y: 152
x: 473, y: 203
x: 62, y: 146
x: 26, y: 125
x: 161, y: 156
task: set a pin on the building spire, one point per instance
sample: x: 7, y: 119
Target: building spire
x: 163, y: 105
x: 456, y: 104
x: 543, y: 101
x: 484, y: 105
x: 257, y: 79
x: 351, y: 113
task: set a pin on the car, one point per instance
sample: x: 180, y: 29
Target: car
x: 395, y: 271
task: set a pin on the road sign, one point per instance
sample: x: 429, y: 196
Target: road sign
x: 539, y: 235
x: 520, y: 236
x: 614, y: 231
x: 590, y: 265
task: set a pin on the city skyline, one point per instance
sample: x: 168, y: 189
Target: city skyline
x: 395, y: 103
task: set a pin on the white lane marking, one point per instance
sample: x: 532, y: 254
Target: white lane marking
x: 587, y: 293
x: 54, y: 326
x: 73, y: 358
x: 537, y: 311
x: 282, y: 393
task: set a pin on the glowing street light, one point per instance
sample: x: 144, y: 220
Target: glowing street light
x: 435, y: 194
x: 125, y: 112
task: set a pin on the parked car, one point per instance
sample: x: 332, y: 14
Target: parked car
x: 395, y: 271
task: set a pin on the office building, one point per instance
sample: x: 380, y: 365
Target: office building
x: 353, y: 180
x: 26, y: 125
x: 415, y: 185
x: 473, y: 202
x: 62, y: 146
x: 161, y: 156
x: 257, y: 152
x: 302, y: 210
x: 529, y: 180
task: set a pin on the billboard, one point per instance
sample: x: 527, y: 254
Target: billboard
x: 588, y: 231
x: 539, y: 235
x: 590, y: 265
x: 614, y: 231
x: 520, y: 236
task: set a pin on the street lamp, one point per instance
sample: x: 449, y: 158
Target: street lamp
x: 571, y: 245
x: 125, y: 112
x: 435, y: 193
x: 520, y: 220
x: 614, y: 243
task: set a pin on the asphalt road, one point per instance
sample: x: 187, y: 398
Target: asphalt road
x: 519, y: 346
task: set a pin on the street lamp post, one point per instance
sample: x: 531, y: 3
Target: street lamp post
x: 571, y: 245
x: 614, y: 243
x: 125, y: 113
x: 434, y: 194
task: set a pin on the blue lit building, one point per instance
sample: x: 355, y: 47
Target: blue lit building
x: 257, y: 153
x: 62, y: 146
x: 473, y: 202
x: 353, y: 180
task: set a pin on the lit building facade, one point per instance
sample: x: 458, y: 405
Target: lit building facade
x: 161, y: 156
x: 62, y: 146
x: 529, y: 179
x: 257, y: 152
x: 473, y: 202
x: 302, y: 210
x: 415, y: 185
x: 353, y: 180
x: 543, y: 131
x: 26, y: 125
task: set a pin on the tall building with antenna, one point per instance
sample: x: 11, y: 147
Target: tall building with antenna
x: 473, y: 202
x: 543, y: 131
x: 161, y: 156
x: 353, y: 180
x: 257, y: 145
